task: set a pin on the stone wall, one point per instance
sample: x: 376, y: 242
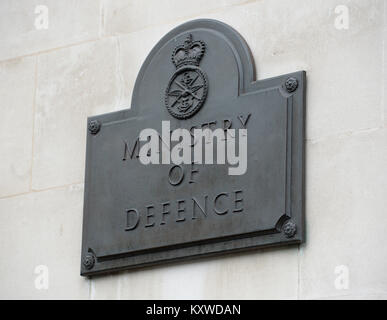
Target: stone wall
x: 85, y: 63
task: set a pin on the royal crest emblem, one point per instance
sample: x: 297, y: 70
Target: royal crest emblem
x: 188, y: 87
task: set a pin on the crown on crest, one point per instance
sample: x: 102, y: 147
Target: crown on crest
x: 189, y: 53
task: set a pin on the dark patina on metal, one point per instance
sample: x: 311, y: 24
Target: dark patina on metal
x: 137, y: 215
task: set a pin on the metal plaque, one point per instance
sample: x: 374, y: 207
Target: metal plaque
x: 200, y: 75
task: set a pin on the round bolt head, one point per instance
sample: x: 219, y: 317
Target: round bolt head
x: 89, y: 261
x: 291, y: 84
x: 290, y: 229
x: 94, y: 126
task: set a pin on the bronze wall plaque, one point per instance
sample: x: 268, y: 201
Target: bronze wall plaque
x: 200, y: 75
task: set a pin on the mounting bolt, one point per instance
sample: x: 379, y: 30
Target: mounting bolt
x: 290, y: 229
x: 89, y: 261
x: 94, y: 126
x: 291, y: 84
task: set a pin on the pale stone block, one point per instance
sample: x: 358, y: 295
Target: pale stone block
x: 42, y: 228
x: 260, y: 274
x: 24, y: 32
x: 133, y: 284
x: 124, y: 16
x: 73, y: 83
x: 360, y: 296
x: 17, y: 87
x: 346, y: 217
x: 343, y: 66
x: 167, y: 281
x: 264, y: 274
x: 385, y: 66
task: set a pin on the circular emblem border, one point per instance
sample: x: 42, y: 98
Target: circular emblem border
x: 194, y: 110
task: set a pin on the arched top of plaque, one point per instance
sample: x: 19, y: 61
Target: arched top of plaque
x: 224, y: 53
x: 216, y: 58
x: 225, y: 67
